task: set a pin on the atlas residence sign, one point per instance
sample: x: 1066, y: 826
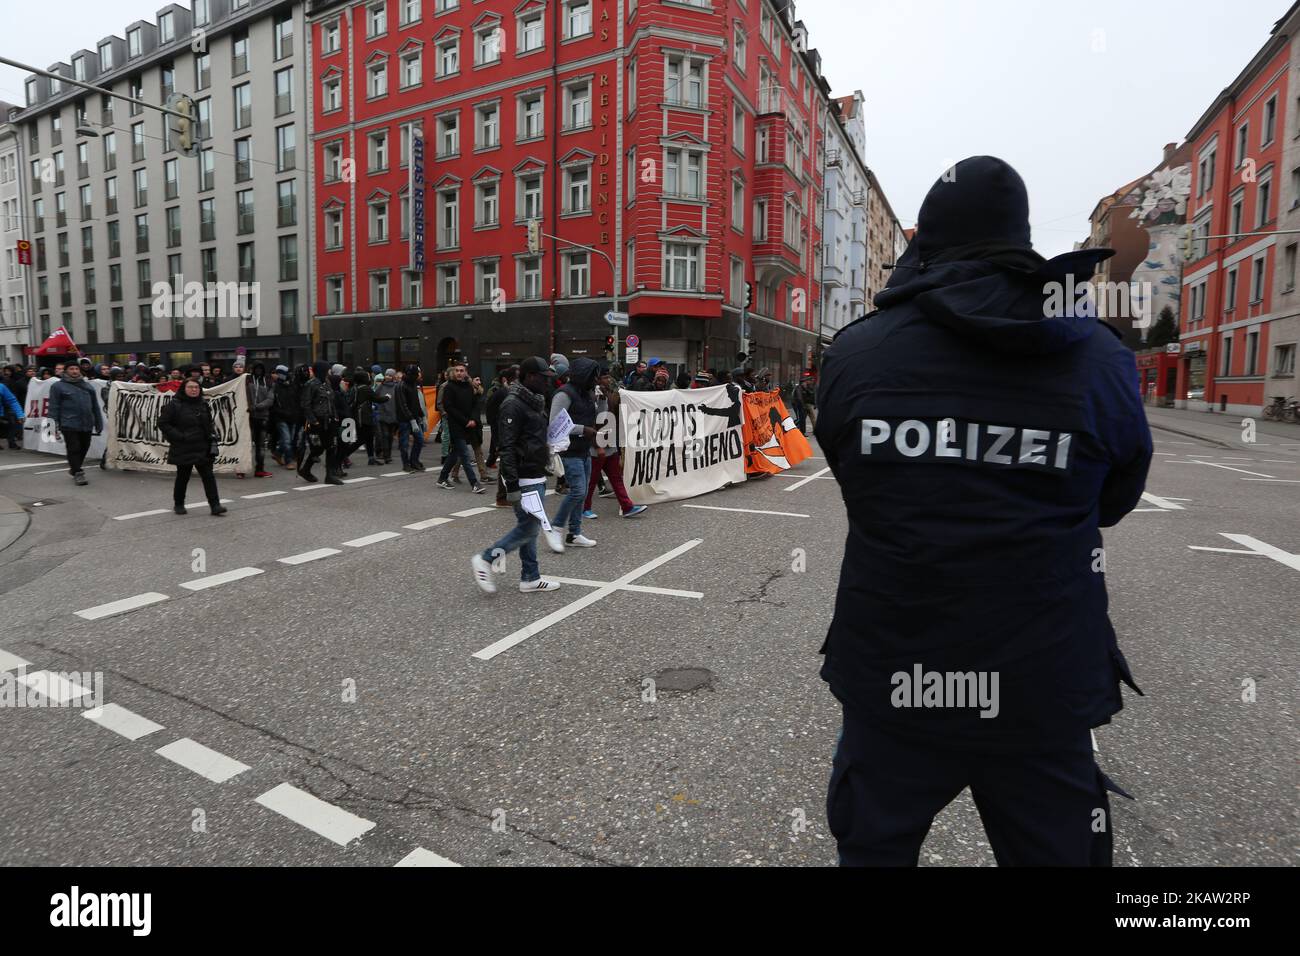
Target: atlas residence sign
x: 603, y: 105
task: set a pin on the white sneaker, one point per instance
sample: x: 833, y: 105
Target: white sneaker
x: 541, y: 584
x: 579, y: 541
x: 483, y: 574
x: 554, y: 541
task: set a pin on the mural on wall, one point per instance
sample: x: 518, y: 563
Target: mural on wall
x: 1160, y: 206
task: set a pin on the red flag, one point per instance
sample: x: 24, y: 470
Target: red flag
x: 59, y: 343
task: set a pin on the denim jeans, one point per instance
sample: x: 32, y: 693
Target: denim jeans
x: 460, y: 452
x: 289, y: 434
x: 415, y: 437
x: 522, y: 536
x: 577, y: 474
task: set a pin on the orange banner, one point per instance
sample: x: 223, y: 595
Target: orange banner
x: 431, y: 407
x: 772, y: 442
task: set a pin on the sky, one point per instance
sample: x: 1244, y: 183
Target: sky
x: 1080, y: 97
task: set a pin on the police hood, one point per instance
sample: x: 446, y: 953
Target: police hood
x: 1001, y: 305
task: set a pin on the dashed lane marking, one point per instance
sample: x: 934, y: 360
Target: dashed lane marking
x: 472, y: 512
x: 1257, y: 474
x: 426, y: 525
x: 747, y: 511
x: 34, y: 464
x: 12, y: 662
x: 204, y: 761
x: 307, y: 556
x: 216, y: 580
x: 422, y: 857
x: 143, y: 514
x: 371, y: 539
x: 325, y: 819
x: 354, y: 481
x: 524, y: 633
x: 123, y: 722
x: 54, y: 687
x: 264, y: 494
x: 315, y: 487
x: 122, y: 606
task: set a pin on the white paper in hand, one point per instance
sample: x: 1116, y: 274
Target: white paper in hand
x: 557, y: 436
x: 531, y: 502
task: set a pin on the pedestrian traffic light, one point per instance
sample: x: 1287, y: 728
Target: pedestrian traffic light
x: 534, y: 235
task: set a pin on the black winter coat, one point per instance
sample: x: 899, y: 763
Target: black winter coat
x: 521, y: 446
x: 188, y: 427
x: 458, y: 407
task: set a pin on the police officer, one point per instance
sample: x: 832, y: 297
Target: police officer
x: 981, y: 435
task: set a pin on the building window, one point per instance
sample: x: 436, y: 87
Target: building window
x: 378, y: 143
x: 530, y: 278
x: 577, y: 277
x: 329, y: 37
x: 378, y: 79
x: 377, y: 19
x: 683, y: 174
x: 207, y: 170
x: 485, y: 282
x: 332, y: 154
x: 105, y: 57
x: 286, y: 204
x: 137, y: 144
x: 286, y: 153
x: 239, y: 53
x: 1270, y: 121
x: 171, y: 179
x: 202, y: 71
x: 487, y: 45
x: 737, y: 281
x: 411, y: 66
x: 448, y: 219
x: 204, y: 111
x: 1264, y: 201
x: 243, y: 105
x: 1284, y: 360
x: 577, y: 18
x: 684, y: 82
x: 413, y: 290
x: 1230, y: 291
x: 283, y: 35
x: 1243, y: 143
x: 134, y: 43
x: 283, y: 91
x: 409, y: 12
x: 760, y: 220
x: 740, y: 55
x: 334, y: 294
x: 577, y: 189
x: 531, y: 122
x: 244, y: 212
x: 577, y: 105
x: 142, y: 232
x: 738, y: 205
x: 289, y: 312
x: 207, y: 220
x: 1238, y: 208
x: 141, y: 188
x: 1257, y: 281
x: 331, y: 95
x: 449, y: 57
x: 379, y: 291
x: 333, y: 229
x: 530, y: 197
x: 448, y: 135
x: 173, y: 227
x: 449, y: 285
x: 243, y: 160
x: 682, y: 266
x: 532, y: 32
x: 247, y: 262
x: 487, y: 203
x: 1288, y: 267
x: 488, y: 132
x: 110, y: 152
x: 379, y: 220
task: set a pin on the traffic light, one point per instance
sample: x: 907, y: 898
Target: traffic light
x: 1189, y: 242
x: 609, y: 343
x: 534, y: 235
x: 749, y: 294
x: 184, y: 127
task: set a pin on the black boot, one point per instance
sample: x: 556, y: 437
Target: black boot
x: 219, y: 510
x: 304, y: 472
x: 180, y: 510
x: 332, y: 478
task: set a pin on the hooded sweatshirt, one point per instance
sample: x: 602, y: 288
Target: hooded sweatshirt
x: 577, y: 397
x: 979, y: 446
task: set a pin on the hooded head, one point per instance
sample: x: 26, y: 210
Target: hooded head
x: 582, y: 373
x: 412, y: 374
x: 321, y: 370
x: 559, y: 364
x: 259, y: 370
x: 980, y: 202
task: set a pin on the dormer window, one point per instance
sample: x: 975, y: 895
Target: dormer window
x: 166, y: 28
x: 134, y: 43
x: 105, y: 56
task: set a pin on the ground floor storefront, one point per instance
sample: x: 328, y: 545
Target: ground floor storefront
x: 288, y: 350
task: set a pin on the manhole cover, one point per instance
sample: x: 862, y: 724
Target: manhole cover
x: 683, y: 679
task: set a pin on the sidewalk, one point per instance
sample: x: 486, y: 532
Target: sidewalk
x: 1225, y: 430
x: 13, y: 522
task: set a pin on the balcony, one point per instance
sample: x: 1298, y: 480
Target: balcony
x: 833, y: 158
x: 833, y: 275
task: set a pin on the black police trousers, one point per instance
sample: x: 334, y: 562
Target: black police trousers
x: 1038, y: 809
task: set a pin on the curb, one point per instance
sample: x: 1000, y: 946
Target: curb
x: 13, y: 522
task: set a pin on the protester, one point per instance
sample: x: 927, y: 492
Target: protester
x: 74, y: 408
x: 386, y: 429
x: 411, y: 419
x: 186, y: 423
x: 261, y: 397
x: 492, y: 410
x: 577, y: 399
x: 458, y: 404
x: 320, y: 425
x: 808, y: 397
x: 605, y: 449
x: 288, y: 415
x: 12, y: 409
x: 524, y: 454
x: 475, y: 435
x: 365, y: 401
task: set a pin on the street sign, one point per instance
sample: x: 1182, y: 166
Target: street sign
x: 1173, y: 348
x: 633, y: 356
x: 616, y: 318
x: 634, y: 341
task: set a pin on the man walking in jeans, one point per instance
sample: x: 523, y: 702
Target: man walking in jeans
x: 458, y: 404
x: 74, y: 408
x: 523, y: 455
x: 577, y: 397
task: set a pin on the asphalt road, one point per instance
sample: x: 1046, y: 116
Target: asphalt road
x: 353, y: 680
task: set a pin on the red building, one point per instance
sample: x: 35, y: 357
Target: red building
x: 681, y: 143
x: 1237, y: 173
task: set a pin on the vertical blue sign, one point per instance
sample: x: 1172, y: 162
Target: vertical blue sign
x: 417, y: 201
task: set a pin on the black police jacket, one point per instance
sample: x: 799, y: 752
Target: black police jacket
x: 979, y: 447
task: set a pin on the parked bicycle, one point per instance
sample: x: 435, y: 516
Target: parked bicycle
x: 1282, y: 411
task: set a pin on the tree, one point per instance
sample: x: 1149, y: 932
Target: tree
x: 1164, y: 331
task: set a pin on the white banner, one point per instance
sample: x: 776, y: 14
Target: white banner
x: 41, y: 434
x: 136, y: 443
x: 679, y: 444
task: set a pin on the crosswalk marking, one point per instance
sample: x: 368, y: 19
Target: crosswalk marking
x: 12, y: 662
x: 331, y: 822
x: 422, y: 857
x: 204, y: 761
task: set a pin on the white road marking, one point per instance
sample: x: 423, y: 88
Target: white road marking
x: 1230, y: 468
x: 472, y: 512
x: 1156, y: 510
x: 200, y: 504
x: 521, y: 635
x: 143, y: 514
x: 1166, y: 504
x: 12, y: 662
x: 371, y: 539
x: 747, y: 511
x: 122, y: 721
x: 122, y: 606
x: 319, y: 484
x: 310, y: 556
x: 813, y: 478
x: 53, y: 686
x: 264, y: 494
x: 1255, y: 547
x: 52, y: 471
x: 353, y: 481
x: 216, y: 580
x: 34, y: 464
x: 204, y: 761
x: 1095, y: 748
x: 315, y: 814
x: 422, y: 857
x: 1275, y: 481
x: 810, y: 478
x: 426, y: 525
x: 394, y: 474
x: 667, y: 592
